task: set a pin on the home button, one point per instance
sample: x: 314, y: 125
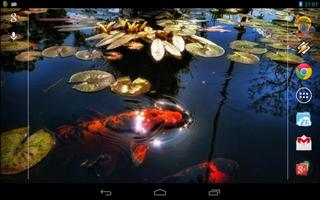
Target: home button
x: 159, y: 193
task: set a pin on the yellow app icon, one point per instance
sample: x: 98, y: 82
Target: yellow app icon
x: 303, y: 23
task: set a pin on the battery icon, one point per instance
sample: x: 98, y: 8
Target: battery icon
x: 300, y: 4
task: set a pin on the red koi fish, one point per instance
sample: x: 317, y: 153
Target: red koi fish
x: 142, y: 127
x: 218, y: 171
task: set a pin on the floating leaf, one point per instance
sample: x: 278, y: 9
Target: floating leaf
x: 204, y: 50
x: 278, y: 45
x: 171, y: 49
x: 28, y: 56
x: 122, y: 40
x: 185, y: 32
x: 157, y: 49
x: 165, y: 22
x: 242, y: 44
x: 284, y: 57
x: 202, y: 40
x: 15, y: 46
x: 268, y: 40
x: 124, y: 86
x: 91, y: 81
x: 51, y: 52
x: 178, y: 42
x: 226, y: 21
x: 63, y: 51
x: 247, y: 46
x: 66, y: 51
x: 243, y: 57
x: 86, y: 55
x: 20, y: 152
x: 113, y: 55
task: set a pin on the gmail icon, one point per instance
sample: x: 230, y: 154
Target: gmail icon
x: 304, y: 143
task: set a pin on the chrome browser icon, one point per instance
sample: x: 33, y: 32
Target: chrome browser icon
x: 303, y: 71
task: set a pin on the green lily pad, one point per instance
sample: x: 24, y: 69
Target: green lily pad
x: 28, y: 56
x: 86, y: 55
x: 268, y: 40
x: 243, y: 57
x: 204, y: 50
x: 185, y: 32
x: 284, y: 57
x: 63, y: 51
x: 278, y: 45
x: 247, y: 46
x: 124, y: 86
x: 91, y: 81
x: 66, y: 51
x: 20, y: 152
x: 165, y: 22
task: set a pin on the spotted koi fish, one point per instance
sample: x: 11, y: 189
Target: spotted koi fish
x: 220, y: 170
x: 143, y: 127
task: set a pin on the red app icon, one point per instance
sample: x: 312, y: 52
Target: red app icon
x: 302, y: 169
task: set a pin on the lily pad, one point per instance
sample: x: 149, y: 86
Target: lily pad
x: 185, y: 32
x: 86, y: 55
x: 66, y: 51
x: 278, y: 45
x: 268, y: 40
x: 20, y: 152
x: 28, y: 56
x: 243, y: 57
x: 171, y: 49
x: 15, y: 46
x: 124, y: 86
x: 284, y: 57
x: 157, y: 49
x: 247, y: 46
x: 204, y: 50
x: 178, y: 42
x: 63, y: 51
x: 91, y: 81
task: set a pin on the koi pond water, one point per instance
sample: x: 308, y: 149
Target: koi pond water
x: 148, y: 96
